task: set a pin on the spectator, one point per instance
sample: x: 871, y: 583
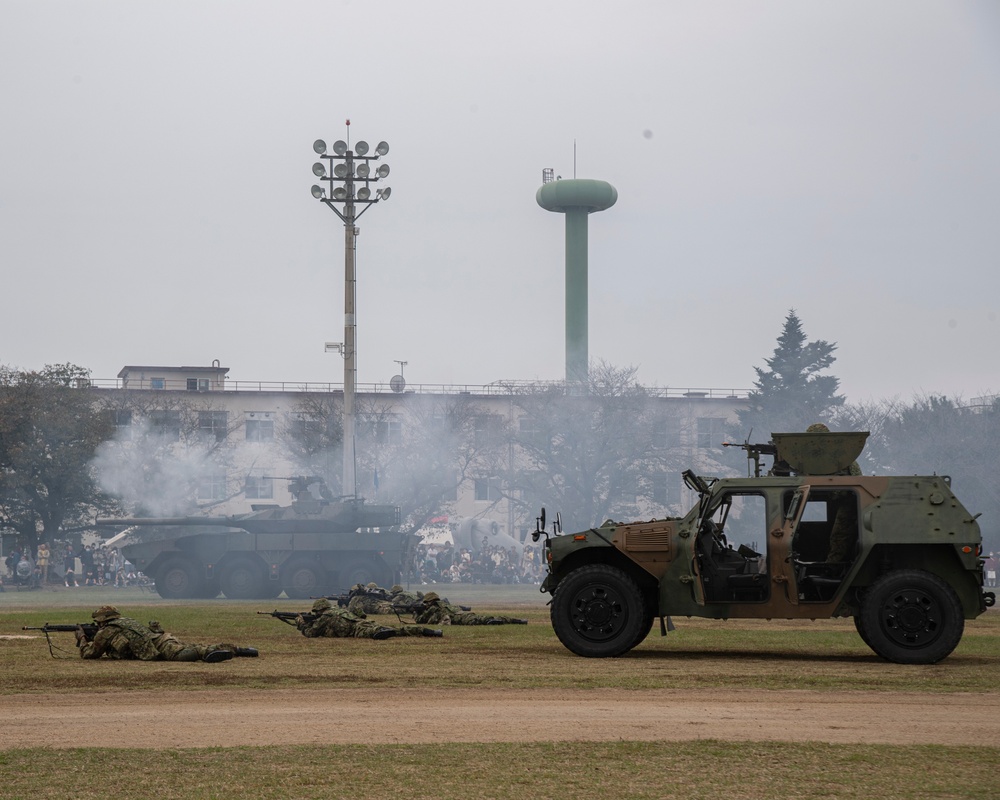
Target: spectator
x: 69, y: 567
x: 42, y: 556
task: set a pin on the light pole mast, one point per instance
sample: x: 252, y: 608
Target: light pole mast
x: 350, y: 182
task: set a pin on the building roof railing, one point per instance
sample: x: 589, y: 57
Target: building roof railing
x: 494, y: 389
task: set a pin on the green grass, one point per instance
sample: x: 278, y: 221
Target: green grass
x: 825, y: 655
x: 690, y: 770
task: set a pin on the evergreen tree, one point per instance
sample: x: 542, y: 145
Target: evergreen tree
x: 790, y: 394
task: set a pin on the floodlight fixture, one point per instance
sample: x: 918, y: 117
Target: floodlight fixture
x: 364, y: 193
x: 318, y: 192
x: 361, y: 148
x: 382, y: 171
x: 319, y: 169
x: 383, y: 194
x: 340, y: 147
x: 364, y: 170
x: 340, y: 193
x: 319, y: 146
x: 382, y: 148
x: 340, y: 170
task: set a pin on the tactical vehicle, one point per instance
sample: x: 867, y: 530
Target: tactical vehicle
x: 318, y: 545
x: 901, y: 555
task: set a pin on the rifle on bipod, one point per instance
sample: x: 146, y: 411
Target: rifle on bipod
x: 89, y: 631
x: 289, y: 617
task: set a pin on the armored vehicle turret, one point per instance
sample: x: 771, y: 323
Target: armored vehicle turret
x: 317, y: 545
x: 810, y: 538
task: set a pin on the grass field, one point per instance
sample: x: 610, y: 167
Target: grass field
x: 826, y: 656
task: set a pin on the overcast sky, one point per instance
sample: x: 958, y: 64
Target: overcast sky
x: 839, y: 158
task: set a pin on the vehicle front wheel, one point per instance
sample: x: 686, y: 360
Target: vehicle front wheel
x: 302, y: 580
x: 910, y: 616
x: 598, y: 612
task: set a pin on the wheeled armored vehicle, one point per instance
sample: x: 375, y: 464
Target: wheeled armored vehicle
x: 316, y: 546
x: 807, y: 540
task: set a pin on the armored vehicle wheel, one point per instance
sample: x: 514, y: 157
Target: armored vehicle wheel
x: 302, y: 580
x: 243, y: 579
x: 912, y: 617
x: 598, y: 612
x: 178, y: 579
x: 359, y: 571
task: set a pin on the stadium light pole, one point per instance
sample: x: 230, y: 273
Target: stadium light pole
x: 349, y: 175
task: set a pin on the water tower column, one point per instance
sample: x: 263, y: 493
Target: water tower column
x: 577, y: 199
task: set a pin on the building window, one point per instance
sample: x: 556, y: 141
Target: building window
x: 213, y: 424
x: 197, y: 384
x: 260, y: 428
x: 388, y: 431
x: 486, y: 430
x: 212, y: 487
x: 487, y: 489
x: 166, y: 424
x: 157, y: 383
x: 530, y: 432
x: 122, y: 420
x: 258, y: 487
x: 711, y: 432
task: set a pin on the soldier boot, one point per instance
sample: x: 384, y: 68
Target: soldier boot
x: 247, y: 652
x: 432, y: 632
x: 383, y: 633
x: 217, y: 655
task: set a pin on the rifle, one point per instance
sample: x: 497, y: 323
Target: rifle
x: 289, y: 617
x: 342, y: 599
x: 89, y: 631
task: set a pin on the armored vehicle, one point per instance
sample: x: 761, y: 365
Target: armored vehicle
x: 808, y: 539
x: 315, y: 546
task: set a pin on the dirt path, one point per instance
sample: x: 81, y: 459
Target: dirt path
x: 222, y: 718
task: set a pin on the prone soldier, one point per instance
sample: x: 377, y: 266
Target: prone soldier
x: 121, y: 637
x: 328, y: 620
x: 437, y: 612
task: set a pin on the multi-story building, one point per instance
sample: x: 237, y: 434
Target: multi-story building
x: 190, y: 435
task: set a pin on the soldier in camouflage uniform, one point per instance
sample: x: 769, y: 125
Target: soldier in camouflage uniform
x: 844, y: 531
x: 120, y: 637
x: 370, y: 599
x: 328, y: 620
x: 437, y: 612
x: 402, y: 599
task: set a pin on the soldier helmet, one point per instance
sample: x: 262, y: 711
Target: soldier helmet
x: 357, y: 588
x: 320, y: 605
x: 817, y: 427
x: 431, y: 597
x: 105, y: 614
x: 396, y: 588
x: 372, y: 585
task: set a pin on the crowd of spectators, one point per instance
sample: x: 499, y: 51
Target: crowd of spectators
x: 492, y: 564
x: 60, y: 562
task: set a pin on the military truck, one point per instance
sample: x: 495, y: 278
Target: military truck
x: 806, y: 540
x: 318, y: 545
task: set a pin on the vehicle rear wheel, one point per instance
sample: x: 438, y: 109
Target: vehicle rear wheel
x: 302, y: 580
x: 598, y: 612
x: 359, y: 570
x: 178, y: 579
x: 244, y: 579
x: 911, y: 617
